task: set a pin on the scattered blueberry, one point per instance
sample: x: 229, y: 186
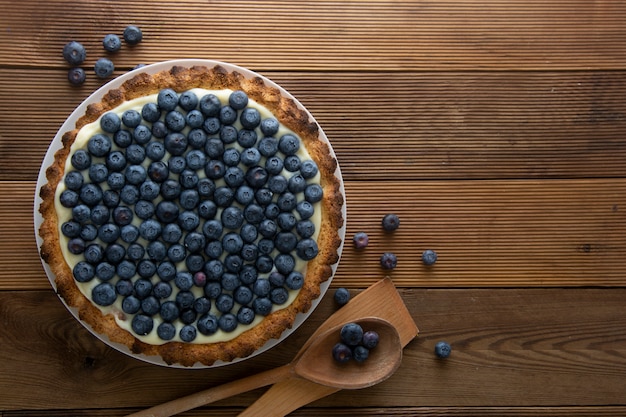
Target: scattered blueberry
x: 351, y: 334
x: 429, y: 257
x: 74, y: 53
x: 442, y: 349
x: 132, y: 35
x: 111, y: 42
x: 104, y: 67
x: 391, y: 222
x: 341, y: 296
x: 388, y: 260
x: 360, y: 240
x: 360, y: 353
x: 342, y: 353
x: 76, y: 76
x: 370, y: 339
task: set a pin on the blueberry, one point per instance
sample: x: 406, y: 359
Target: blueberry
x: 277, y: 184
x: 263, y: 196
x: 262, y: 306
x: 150, y: 229
x: 132, y: 35
x: 210, y: 105
x: 294, y: 280
x: 268, y: 229
x: 155, y: 151
x: 214, y: 269
x: 104, y: 67
x: 443, y: 349
x: 143, y: 288
x: 69, y: 198
x: 123, y: 138
x: 111, y: 43
x: 129, y: 233
x: 205, y: 187
x: 228, y: 134
x: 99, y: 145
x: 207, y: 209
x: 370, y: 339
x: 212, y: 289
x: 76, y: 76
x: 167, y: 99
x: 144, y: 209
x: 341, y: 296
x: 351, y: 334
x: 129, y: 194
x: 390, y: 222
x: 429, y: 257
x: 131, y: 305
x: 292, y: 163
x: 214, y: 169
x: 228, y: 115
x: 250, y: 157
x: 196, y: 137
x: 279, y: 296
x: 94, y: 253
x: 115, y: 161
x: 156, y: 251
x: 313, y: 193
x: 73, y: 180
x: 360, y: 240
x: 307, y: 249
x: 146, y: 268
x: 388, y: 260
x: 227, y: 322
x: 289, y: 144
x: 272, y: 211
x: 176, y: 143
x: 81, y: 213
x: 111, y: 198
x: 131, y: 118
x: 223, y: 196
x: 90, y: 194
x: 89, y: 232
x: 238, y: 100
x: 243, y: 295
x: 256, y: 177
x: 142, y: 324
x: 169, y: 311
x: 167, y: 211
x: 124, y: 287
x: 202, y: 305
x: 212, y: 125
x: 188, y: 315
x: 287, y: 202
x: 166, y: 331
x: 135, y: 154
x: 76, y: 246
x: 268, y: 146
x: 177, y: 164
x: 162, y: 290
x: 188, y: 100
x: 183, y: 280
x: 250, y: 118
x: 115, y: 253
x: 187, y: 333
x: 297, y: 184
x: 207, y: 324
x: 285, y: 242
x: 232, y: 243
x: 233, y: 176
x: 360, y: 353
x: 74, y: 53
x: 126, y: 269
x: 81, y: 160
x: 188, y: 221
x: 342, y: 353
x: 70, y: 229
x: 224, y: 303
x: 308, y: 169
x: 166, y: 271
x: 84, y: 271
x: 176, y: 253
x: 269, y: 126
x: 104, y: 294
x: 105, y: 271
x: 150, y: 112
x: 245, y: 315
x: 305, y: 209
x: 274, y: 165
x: 247, y: 139
x: 175, y: 121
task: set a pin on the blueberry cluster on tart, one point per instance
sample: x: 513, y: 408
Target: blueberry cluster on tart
x: 191, y: 214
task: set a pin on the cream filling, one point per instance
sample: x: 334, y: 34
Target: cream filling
x: 124, y: 319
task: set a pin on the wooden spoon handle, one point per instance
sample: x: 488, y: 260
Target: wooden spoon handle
x: 220, y: 392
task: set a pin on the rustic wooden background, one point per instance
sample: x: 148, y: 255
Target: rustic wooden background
x: 496, y: 130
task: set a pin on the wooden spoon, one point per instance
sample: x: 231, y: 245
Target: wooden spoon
x: 314, y: 364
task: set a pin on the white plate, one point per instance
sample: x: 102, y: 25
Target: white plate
x: 70, y: 124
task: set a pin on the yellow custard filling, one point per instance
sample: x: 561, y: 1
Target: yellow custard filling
x: 123, y: 319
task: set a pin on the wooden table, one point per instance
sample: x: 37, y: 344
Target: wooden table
x: 495, y: 130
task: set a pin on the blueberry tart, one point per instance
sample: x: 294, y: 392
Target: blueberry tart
x: 191, y: 214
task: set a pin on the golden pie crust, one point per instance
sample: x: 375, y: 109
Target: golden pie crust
x: 318, y: 270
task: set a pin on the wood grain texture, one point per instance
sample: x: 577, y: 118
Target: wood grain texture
x: 423, y: 125
x: 372, y: 35
x: 541, y: 342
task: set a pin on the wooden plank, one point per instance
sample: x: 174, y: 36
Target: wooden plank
x: 487, y: 233
x: 380, y: 35
x: 423, y: 125
x: 539, y: 342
